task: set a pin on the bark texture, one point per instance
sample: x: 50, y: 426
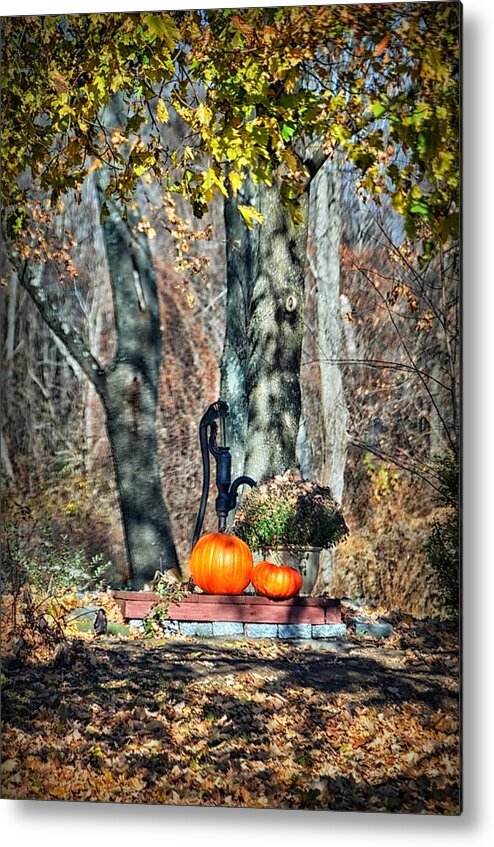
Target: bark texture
x: 130, y: 406
x: 128, y: 388
x: 130, y: 398
x: 325, y: 238
x: 242, y: 245
x: 275, y: 340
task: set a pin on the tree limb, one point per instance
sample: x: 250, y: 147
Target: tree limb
x: 388, y: 457
x: 31, y: 277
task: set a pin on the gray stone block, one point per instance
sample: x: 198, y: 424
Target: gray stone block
x: 192, y: 628
x: 136, y: 622
x: 376, y: 630
x: 328, y: 630
x: 261, y: 630
x: 83, y: 613
x: 294, y: 630
x: 227, y: 628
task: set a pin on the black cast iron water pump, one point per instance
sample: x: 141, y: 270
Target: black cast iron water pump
x: 227, y: 491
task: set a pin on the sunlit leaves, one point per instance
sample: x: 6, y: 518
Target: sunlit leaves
x: 254, y: 88
x: 405, y: 81
x: 163, y: 27
x: 162, y: 112
x: 378, y: 109
x: 250, y: 215
x: 287, y: 132
x: 236, y: 182
x: 211, y: 181
x: 91, y: 58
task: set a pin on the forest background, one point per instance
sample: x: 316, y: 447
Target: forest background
x: 355, y: 157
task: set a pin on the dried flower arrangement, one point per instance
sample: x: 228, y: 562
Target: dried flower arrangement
x: 289, y: 511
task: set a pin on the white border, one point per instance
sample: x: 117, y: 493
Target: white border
x: 82, y: 824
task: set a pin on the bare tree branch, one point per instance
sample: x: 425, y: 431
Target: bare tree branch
x: 383, y: 364
x: 388, y: 457
x: 31, y: 278
x: 408, y: 354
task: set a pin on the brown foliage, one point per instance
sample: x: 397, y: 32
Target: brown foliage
x: 245, y: 724
x: 383, y: 560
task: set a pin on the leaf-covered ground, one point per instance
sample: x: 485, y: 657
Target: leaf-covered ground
x: 359, y: 725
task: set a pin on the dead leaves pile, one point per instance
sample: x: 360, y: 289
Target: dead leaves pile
x: 252, y: 724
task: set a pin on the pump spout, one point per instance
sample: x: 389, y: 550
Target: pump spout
x: 241, y: 480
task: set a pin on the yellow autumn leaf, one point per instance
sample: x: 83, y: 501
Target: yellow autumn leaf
x: 162, y: 112
x: 236, y: 181
x: 211, y: 181
x: 291, y: 160
x: 251, y: 215
x: 204, y: 114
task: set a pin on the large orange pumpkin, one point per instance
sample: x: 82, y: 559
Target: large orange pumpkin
x: 276, y: 581
x: 221, y: 564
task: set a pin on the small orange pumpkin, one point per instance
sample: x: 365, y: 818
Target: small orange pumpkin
x: 276, y: 581
x: 221, y: 564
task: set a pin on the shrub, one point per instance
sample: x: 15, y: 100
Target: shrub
x: 443, y: 545
x: 170, y: 589
x: 49, y: 564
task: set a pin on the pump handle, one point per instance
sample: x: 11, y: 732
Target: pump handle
x: 212, y: 413
x: 227, y: 491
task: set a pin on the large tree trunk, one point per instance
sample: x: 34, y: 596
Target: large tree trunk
x: 130, y: 403
x: 8, y: 363
x: 325, y: 239
x: 130, y: 398
x: 275, y: 340
x: 128, y: 389
x: 260, y: 367
x: 242, y: 246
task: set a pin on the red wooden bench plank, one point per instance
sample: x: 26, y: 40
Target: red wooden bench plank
x: 332, y: 614
x: 150, y: 596
x: 254, y: 599
x: 121, y: 604
x: 222, y: 612
x: 269, y: 611
x: 136, y: 609
x: 132, y: 595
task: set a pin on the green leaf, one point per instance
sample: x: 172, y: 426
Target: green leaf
x: 340, y: 133
x: 377, y: 108
x: 364, y: 160
x: 66, y: 110
x: 287, y: 132
x: 163, y: 27
x: 419, y: 209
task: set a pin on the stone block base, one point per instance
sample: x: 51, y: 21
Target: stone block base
x: 250, y: 616
x: 242, y: 615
